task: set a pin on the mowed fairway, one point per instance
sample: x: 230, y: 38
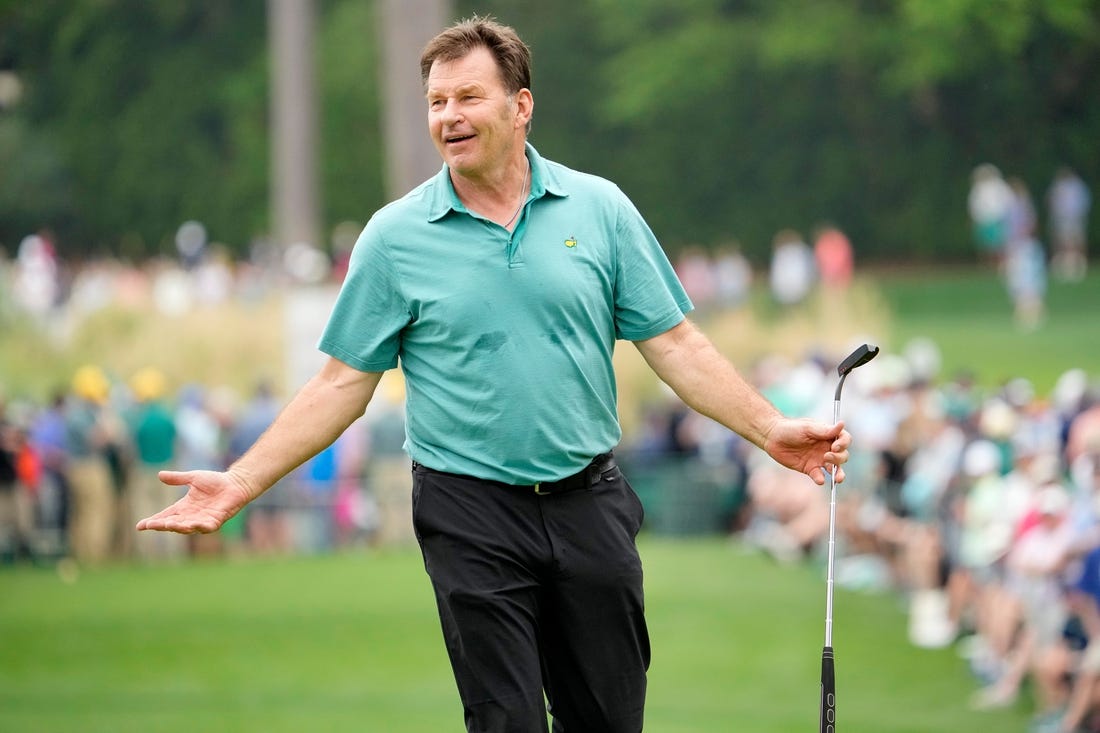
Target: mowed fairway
x: 351, y: 643
x: 969, y: 316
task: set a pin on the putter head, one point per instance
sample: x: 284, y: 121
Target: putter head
x: 857, y: 358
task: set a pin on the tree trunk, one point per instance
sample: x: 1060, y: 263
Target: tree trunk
x: 405, y: 27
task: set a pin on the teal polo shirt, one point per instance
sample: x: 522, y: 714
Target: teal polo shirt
x: 505, y: 339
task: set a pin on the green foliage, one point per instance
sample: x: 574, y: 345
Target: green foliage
x: 352, y: 149
x: 41, y: 192
x: 721, y: 118
x: 869, y: 114
x: 138, y: 97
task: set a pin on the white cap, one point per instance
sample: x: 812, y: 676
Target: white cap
x: 998, y: 419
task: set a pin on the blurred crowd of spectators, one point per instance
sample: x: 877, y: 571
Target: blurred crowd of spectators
x: 77, y: 473
x: 40, y: 284
x: 981, y: 508
x: 723, y: 277
x: 77, y: 470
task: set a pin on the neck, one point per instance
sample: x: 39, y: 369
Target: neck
x: 500, y: 182
x: 500, y: 197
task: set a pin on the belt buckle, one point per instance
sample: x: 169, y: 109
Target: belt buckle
x: 539, y: 491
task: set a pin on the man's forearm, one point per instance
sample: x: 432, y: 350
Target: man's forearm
x: 686, y: 360
x: 323, y: 409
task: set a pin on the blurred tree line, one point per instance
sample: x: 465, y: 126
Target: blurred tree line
x: 722, y: 119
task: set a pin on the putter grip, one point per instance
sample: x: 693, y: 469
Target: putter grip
x: 828, y: 692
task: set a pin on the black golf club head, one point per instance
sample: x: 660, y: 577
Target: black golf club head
x: 857, y: 358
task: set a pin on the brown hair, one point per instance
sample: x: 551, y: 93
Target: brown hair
x: 512, y: 55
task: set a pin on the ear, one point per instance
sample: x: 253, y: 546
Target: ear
x: 525, y: 107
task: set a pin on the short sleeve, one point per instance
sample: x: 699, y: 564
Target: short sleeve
x: 364, y: 330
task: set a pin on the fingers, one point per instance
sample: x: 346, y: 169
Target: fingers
x: 818, y: 475
x: 171, y: 522
x: 178, y: 518
x: 175, y: 478
x: 163, y: 521
x: 841, y: 438
x: 170, y: 519
x: 838, y: 451
x: 836, y: 454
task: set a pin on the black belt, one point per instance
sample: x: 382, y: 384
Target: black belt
x: 582, y: 479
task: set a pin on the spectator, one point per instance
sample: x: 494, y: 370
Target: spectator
x: 990, y: 206
x: 16, y: 508
x: 267, y: 526
x: 36, y: 286
x: 1062, y: 663
x: 153, y: 434
x: 1026, y: 278
x: 732, y: 275
x: 385, y: 466
x: 203, y: 420
x: 357, y: 511
x: 984, y: 536
x: 91, y: 432
x: 833, y: 255
x: 789, y: 513
x: 1035, y: 567
x: 697, y: 274
x: 918, y: 534
x: 1083, y: 431
x: 791, y: 275
x: 199, y: 435
x: 1022, y: 220
x: 48, y: 439
x: 1068, y: 201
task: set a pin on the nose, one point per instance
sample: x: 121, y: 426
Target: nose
x: 449, y: 113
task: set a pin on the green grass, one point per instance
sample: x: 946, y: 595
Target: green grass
x: 351, y: 643
x: 969, y: 315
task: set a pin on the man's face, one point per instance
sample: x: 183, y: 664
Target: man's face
x: 472, y: 120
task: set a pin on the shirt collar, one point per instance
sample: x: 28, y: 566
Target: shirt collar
x: 544, y: 181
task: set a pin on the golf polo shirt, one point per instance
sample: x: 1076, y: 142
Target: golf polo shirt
x: 505, y: 339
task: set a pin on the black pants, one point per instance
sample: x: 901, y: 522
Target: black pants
x: 538, y: 595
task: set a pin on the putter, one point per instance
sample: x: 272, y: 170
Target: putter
x: 857, y: 358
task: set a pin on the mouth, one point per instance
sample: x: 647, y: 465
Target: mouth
x: 455, y: 139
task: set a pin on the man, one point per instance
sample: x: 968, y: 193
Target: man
x: 153, y: 437
x: 94, y: 437
x: 1069, y: 200
x: 502, y: 285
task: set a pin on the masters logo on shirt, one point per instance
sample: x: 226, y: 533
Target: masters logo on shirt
x: 571, y: 242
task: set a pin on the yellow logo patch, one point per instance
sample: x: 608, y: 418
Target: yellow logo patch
x: 571, y: 242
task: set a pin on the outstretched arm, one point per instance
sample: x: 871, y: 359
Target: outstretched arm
x: 323, y: 409
x: 686, y: 360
